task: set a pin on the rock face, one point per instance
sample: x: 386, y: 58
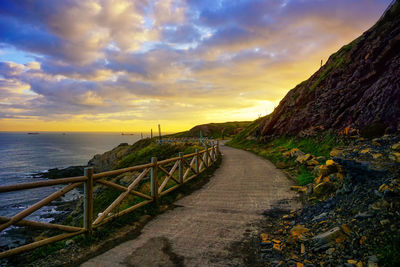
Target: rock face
x: 356, y: 91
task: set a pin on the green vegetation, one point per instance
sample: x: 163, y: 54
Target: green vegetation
x: 214, y: 130
x: 163, y: 151
x: 273, y: 149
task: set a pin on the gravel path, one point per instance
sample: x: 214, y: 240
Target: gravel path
x: 200, y: 231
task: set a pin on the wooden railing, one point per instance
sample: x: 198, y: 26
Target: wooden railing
x: 165, y: 176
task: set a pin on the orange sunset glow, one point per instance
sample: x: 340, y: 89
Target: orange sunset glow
x: 129, y: 65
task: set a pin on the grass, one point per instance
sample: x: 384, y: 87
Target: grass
x: 272, y: 150
x: 213, y: 130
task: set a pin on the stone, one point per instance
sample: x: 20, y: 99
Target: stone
x: 377, y: 155
x: 336, y: 152
x: 281, y: 165
x: 321, y: 217
x: 303, y: 158
x: 354, y: 262
x: 396, y: 146
x: 302, y: 248
x: 330, y: 251
x: 69, y: 242
x: 298, y: 230
x: 333, y: 235
x: 298, y: 188
x: 295, y: 152
x: 365, y: 151
x: 323, y: 189
x: 312, y: 162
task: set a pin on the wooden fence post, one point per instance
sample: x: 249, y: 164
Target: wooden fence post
x: 218, y: 150
x: 88, y: 201
x: 180, y: 168
x: 153, y: 178
x: 197, y: 161
x: 206, y: 156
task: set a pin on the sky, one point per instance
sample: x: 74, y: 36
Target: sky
x: 126, y: 66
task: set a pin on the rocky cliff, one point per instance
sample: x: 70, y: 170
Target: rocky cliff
x: 357, y: 90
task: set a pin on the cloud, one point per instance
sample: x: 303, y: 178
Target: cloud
x: 167, y: 59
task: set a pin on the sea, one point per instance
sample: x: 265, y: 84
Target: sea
x: 22, y: 155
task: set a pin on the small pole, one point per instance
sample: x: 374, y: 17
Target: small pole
x: 201, y: 138
x: 153, y: 178
x: 321, y: 62
x: 206, y: 156
x: 151, y: 133
x: 218, y: 150
x: 159, y: 133
x: 88, y: 200
x: 180, y: 167
x: 197, y: 161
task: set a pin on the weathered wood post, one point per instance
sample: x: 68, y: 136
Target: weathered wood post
x: 180, y: 167
x: 206, y: 156
x: 218, y: 150
x: 153, y: 180
x: 197, y: 161
x: 88, y: 201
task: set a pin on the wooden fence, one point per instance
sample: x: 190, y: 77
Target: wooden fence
x: 165, y: 176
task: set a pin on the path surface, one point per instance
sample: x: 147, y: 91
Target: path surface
x: 200, y: 231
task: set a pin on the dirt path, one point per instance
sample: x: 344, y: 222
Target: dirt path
x: 200, y: 231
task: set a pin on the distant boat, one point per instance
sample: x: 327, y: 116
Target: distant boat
x: 127, y: 134
x: 33, y: 133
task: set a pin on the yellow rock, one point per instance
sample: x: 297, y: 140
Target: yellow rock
x: 312, y: 162
x: 302, y: 159
x: 318, y: 179
x: 276, y: 241
x: 329, y: 162
x: 336, y: 152
x: 264, y: 237
x: 395, y: 156
x: 326, y: 179
x: 277, y: 247
x: 298, y: 230
x: 383, y: 187
x: 346, y: 229
x: 396, y: 146
x: 299, y: 264
x: 365, y: 151
x: 352, y: 262
x: 377, y: 156
x: 359, y: 264
x: 302, y: 248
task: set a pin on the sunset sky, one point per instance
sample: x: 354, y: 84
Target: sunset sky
x: 105, y: 65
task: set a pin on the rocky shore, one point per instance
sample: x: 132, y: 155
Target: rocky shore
x: 351, y: 213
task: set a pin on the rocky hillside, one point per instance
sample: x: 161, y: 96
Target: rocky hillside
x: 357, y: 90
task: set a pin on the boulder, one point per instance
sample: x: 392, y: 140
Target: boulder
x: 323, y: 188
x: 303, y: 158
x: 332, y: 236
x: 295, y: 152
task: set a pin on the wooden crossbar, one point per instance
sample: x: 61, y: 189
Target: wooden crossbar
x: 169, y: 175
x: 121, y: 197
x: 26, y: 212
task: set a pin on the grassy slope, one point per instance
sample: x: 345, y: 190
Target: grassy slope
x: 213, y: 130
x: 319, y: 145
